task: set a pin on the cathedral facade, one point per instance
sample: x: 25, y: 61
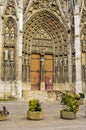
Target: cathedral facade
x: 42, y: 46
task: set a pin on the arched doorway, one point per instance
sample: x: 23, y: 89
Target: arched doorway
x: 45, y: 51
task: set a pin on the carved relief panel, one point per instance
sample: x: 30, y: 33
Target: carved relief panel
x: 42, y: 42
x: 61, y: 69
x: 9, y: 49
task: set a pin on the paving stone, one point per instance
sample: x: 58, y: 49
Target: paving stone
x: 17, y: 119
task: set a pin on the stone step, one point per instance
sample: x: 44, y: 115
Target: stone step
x: 41, y: 95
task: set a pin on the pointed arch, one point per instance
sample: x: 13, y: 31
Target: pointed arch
x: 45, y: 34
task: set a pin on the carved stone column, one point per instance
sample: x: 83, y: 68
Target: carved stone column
x: 19, y: 51
x: 42, y: 73
x: 78, y: 50
x: 55, y: 73
x: 69, y: 63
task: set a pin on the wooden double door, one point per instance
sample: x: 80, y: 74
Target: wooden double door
x: 41, y: 72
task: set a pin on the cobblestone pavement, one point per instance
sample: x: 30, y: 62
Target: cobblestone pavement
x: 17, y: 119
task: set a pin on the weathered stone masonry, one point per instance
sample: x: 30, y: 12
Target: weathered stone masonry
x: 42, y: 47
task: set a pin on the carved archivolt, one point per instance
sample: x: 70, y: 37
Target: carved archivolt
x: 45, y: 34
x: 37, y: 5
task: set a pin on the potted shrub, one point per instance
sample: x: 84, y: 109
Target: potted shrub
x: 72, y: 105
x: 3, y: 114
x: 35, y: 111
x: 82, y: 96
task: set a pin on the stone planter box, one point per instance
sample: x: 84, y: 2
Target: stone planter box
x: 35, y: 115
x: 3, y: 116
x: 67, y: 115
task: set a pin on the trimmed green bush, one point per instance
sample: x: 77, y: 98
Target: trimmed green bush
x: 34, y: 105
x: 71, y: 101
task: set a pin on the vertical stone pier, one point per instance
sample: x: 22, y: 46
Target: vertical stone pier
x: 19, y: 51
x: 78, y: 50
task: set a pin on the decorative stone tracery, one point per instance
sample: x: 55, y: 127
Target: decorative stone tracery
x: 9, y: 49
x: 10, y: 8
x: 48, y: 45
x: 44, y: 34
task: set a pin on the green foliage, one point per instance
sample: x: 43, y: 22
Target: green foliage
x: 77, y: 96
x: 8, y: 99
x: 34, y: 105
x: 82, y: 95
x: 71, y: 100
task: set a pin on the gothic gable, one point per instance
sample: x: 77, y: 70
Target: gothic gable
x: 64, y: 5
x: 25, y: 4
x: 37, y: 5
x: 83, y: 15
x: 11, y: 8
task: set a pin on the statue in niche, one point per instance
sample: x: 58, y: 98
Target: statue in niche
x: 6, y: 70
x: 6, y: 56
x: 84, y: 73
x: 83, y: 47
x: 12, y: 36
x: 73, y: 73
x: 61, y: 62
x: 23, y: 59
x: 43, y: 3
x: 6, y: 34
x: 65, y: 62
x: 11, y: 71
x: 76, y: 1
x: 65, y: 74
x: 56, y: 69
x: 57, y: 73
x: 6, y: 37
x: 65, y: 69
x: 61, y: 70
x: 42, y: 68
x: 11, y: 55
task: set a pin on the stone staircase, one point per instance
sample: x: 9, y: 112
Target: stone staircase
x: 41, y: 95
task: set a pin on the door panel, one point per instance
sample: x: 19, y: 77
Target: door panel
x: 48, y: 72
x: 35, y: 72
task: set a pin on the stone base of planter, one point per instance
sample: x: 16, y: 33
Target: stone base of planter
x: 67, y: 115
x: 3, y: 117
x: 35, y: 115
